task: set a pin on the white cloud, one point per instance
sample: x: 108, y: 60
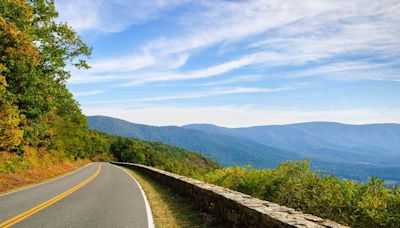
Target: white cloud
x: 242, y: 116
x: 305, y: 31
x: 129, y: 63
x: 88, y: 93
x: 228, y: 21
x: 117, y: 69
x: 216, y: 91
x: 368, y: 28
x: 88, y: 77
x: 352, y: 70
x: 111, y: 15
x: 80, y: 14
x: 204, y: 73
x: 264, y: 32
x: 234, y: 79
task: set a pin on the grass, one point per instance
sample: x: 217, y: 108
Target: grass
x: 169, y: 208
x: 16, y: 180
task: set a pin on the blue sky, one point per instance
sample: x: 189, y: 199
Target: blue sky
x: 238, y: 63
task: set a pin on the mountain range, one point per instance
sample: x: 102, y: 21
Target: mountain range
x: 349, y: 151
x: 362, y: 144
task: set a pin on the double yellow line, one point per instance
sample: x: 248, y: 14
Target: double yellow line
x: 49, y: 202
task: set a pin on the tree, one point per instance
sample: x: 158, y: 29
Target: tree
x: 34, y: 53
x: 17, y: 56
x: 10, y: 133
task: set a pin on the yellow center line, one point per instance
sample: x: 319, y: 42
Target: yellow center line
x: 49, y: 202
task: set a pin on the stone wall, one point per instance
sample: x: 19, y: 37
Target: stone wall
x: 238, y: 209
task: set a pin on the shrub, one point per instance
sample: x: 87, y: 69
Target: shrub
x: 293, y: 184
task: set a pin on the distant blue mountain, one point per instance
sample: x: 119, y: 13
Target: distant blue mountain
x: 349, y: 151
x: 227, y: 150
x: 375, y: 144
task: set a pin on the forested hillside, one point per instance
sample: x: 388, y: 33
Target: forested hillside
x: 163, y: 156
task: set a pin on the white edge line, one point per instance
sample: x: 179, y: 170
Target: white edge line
x: 51, y: 179
x: 150, y: 220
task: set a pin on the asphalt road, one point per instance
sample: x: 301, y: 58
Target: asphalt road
x: 94, y: 196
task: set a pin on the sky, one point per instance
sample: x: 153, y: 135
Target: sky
x: 238, y: 63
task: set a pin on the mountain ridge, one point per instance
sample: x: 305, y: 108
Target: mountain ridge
x: 228, y: 150
x: 351, y: 159
x: 288, y: 124
x: 368, y: 142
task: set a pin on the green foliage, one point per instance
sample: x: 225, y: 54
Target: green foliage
x: 36, y: 109
x: 40, y: 122
x: 293, y: 184
x: 10, y: 163
x: 162, y: 156
x: 10, y: 133
x: 35, y: 49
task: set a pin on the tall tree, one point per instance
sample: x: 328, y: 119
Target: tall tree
x: 35, y: 52
x: 18, y: 56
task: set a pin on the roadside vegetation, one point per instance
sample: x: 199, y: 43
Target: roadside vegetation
x: 170, y: 209
x: 293, y: 184
x: 15, y: 180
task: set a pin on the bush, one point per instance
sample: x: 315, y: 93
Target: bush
x: 293, y: 184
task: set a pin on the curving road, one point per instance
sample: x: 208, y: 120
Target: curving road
x: 99, y: 195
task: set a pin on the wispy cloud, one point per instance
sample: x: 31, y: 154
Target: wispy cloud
x: 196, y: 74
x: 112, y: 15
x: 216, y: 91
x: 271, y: 33
x: 303, y: 32
x: 234, y: 79
x: 129, y: 63
x: 88, y: 93
x: 351, y: 70
x: 230, y: 21
x: 85, y: 77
